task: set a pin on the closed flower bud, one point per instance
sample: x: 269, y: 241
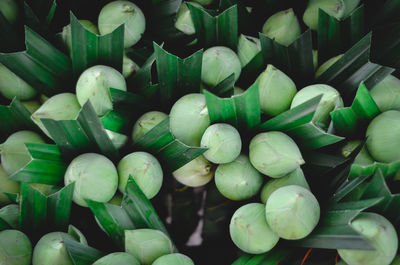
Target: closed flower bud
x: 196, y: 173
x: 12, y: 85
x: 184, y: 20
x: 386, y: 93
x: 146, y: 122
x: 173, y: 259
x: 16, y: 248
x: 248, y: 47
x: 117, y: 258
x: 325, y: 66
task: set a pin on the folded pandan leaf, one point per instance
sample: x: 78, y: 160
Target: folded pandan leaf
x: 272, y: 257
x: 141, y: 81
x: 244, y: 18
x: 41, y: 65
x: 8, y: 35
x: 214, y: 29
x: 82, y: 254
x: 105, y: 49
x: 39, y: 14
x: 225, y: 88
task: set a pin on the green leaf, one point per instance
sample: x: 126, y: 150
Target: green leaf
x: 59, y: 207
x: 15, y: 117
x: 295, y: 60
x: 348, y: 187
x: 8, y: 35
x: 46, y: 165
x: 213, y: 30
x: 39, y: 14
x: 83, y: 134
x: 105, y: 49
x: 252, y: 70
x: 82, y: 254
x: 335, y: 36
x: 386, y: 45
x: 353, y: 68
x: 225, y: 88
x: 77, y: 234
x: 334, y: 230
x: 388, y: 13
x: 387, y: 169
x: 41, y: 65
x: 113, y: 219
x: 141, y: 80
x: 177, y: 76
x: 349, y: 121
x: 4, y: 225
x: 272, y: 257
x: 241, y: 110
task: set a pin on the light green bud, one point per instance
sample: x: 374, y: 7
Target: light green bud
x: 67, y: 36
x: 386, y: 93
x: 15, y: 248
x: 117, y: 258
x: 183, y: 20
x: 196, y: 173
x: 146, y: 122
x: 13, y: 86
x: 248, y: 47
x: 325, y: 66
x: 9, y: 9
x: 6, y: 185
x: 129, y: 67
x: 119, y: 140
x: 173, y: 259
x: 335, y: 8
x: 10, y: 214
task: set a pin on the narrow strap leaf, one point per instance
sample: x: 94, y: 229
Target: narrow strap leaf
x: 225, y: 88
x: 15, y: 117
x: 82, y: 254
x: 141, y: 80
x: 77, y: 234
x: 272, y: 257
x: 59, y: 207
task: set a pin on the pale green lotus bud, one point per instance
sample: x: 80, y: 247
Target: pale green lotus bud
x: 383, y: 137
x: 117, y: 258
x: 292, y: 212
x: 223, y: 143
x: 315, y: 59
x: 250, y: 231
x: 116, y: 13
x: 294, y: 178
x: 238, y: 180
x: 6, y: 185
x: 276, y: 91
x: 119, y: 140
x: 380, y: 233
x: 146, y: 122
x: 173, y: 259
x: 248, y: 47
x: 219, y: 62
x: 129, y: 67
x: 204, y: 2
x: 183, y: 19
x: 64, y: 106
x: 51, y: 249
x: 10, y: 214
x: 386, y: 93
x: 325, y: 66
x: 94, y: 84
x: 14, y: 154
x: 95, y: 177
x: 274, y: 154
x: 189, y: 119
x: 144, y: 169
x: 147, y: 245
x: 335, y: 8
x: 9, y: 9
x: 16, y: 249
x: 196, y: 173
x: 13, y: 86
x: 330, y: 100
x: 237, y: 90
x: 67, y: 36
x: 283, y: 27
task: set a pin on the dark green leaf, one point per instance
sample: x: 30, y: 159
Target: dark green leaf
x: 177, y: 76
x: 252, y: 69
x: 106, y: 49
x: 8, y: 35
x: 241, y: 110
x: 272, y: 257
x: 225, y: 87
x: 348, y: 187
x: 59, y: 207
x: 388, y: 169
x: 43, y: 9
x: 388, y: 13
x: 386, y: 45
x: 42, y: 66
x: 141, y: 80
x: 75, y: 233
x: 296, y: 60
x: 82, y: 254
x: 213, y: 30
x: 4, y: 225
x: 46, y: 165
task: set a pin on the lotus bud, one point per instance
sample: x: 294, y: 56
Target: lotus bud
x: 315, y: 59
x: 184, y: 21
x: 12, y: 85
x: 129, y: 67
x: 204, y: 2
x: 147, y: 245
x: 67, y: 36
x: 94, y: 84
x: 117, y: 258
x: 276, y: 91
x: 383, y: 137
x: 223, y: 143
x: 146, y: 122
x: 14, y: 154
x: 386, y: 93
x: 95, y: 177
x: 218, y: 63
x: 274, y: 154
x: 10, y: 215
x: 292, y: 212
x: 330, y: 100
x: 283, y: 27
x: 250, y: 231
x: 16, y: 249
x: 237, y: 90
x: 325, y: 66
x: 189, y: 119
x: 248, y: 47
x: 116, y: 13
x: 6, y: 185
x: 144, y: 169
x: 119, y: 140
x: 51, y: 249
x: 173, y: 259
x: 196, y: 173
x: 9, y: 9
x: 238, y: 180
x: 294, y: 178
x: 380, y: 233
x: 64, y: 106
x: 335, y: 8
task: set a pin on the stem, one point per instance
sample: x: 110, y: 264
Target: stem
x: 306, y: 256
